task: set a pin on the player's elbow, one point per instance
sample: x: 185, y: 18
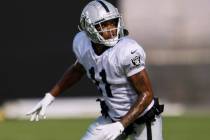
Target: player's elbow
x: 148, y: 97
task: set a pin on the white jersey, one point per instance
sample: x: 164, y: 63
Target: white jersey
x: 109, y: 71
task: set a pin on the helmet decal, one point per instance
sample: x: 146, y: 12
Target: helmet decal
x: 104, y: 5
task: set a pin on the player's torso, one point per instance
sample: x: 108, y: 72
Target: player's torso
x: 105, y: 72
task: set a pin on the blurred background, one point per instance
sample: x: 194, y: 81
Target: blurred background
x: 176, y: 37
x: 37, y: 49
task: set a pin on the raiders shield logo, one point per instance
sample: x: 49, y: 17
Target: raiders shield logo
x: 136, y: 61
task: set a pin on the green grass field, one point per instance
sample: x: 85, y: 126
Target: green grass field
x: 174, y: 128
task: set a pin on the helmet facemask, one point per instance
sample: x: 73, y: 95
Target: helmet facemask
x: 95, y: 30
x: 108, y: 31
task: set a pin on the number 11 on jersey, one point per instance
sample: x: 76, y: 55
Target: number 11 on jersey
x: 104, y: 80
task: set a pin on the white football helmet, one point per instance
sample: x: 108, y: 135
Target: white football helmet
x: 95, y: 13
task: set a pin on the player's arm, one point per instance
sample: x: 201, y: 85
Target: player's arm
x: 142, y: 85
x: 72, y: 75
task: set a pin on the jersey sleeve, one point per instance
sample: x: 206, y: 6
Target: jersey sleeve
x: 78, y: 44
x: 132, y: 58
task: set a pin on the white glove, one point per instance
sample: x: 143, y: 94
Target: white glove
x: 40, y: 109
x: 110, y: 131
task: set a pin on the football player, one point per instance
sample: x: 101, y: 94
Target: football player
x: 116, y: 65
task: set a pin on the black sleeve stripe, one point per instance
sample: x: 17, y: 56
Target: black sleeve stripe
x: 104, y: 5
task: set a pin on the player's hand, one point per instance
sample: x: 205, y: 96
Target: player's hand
x: 39, y: 111
x: 110, y: 131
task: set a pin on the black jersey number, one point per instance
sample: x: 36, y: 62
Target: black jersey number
x: 104, y: 80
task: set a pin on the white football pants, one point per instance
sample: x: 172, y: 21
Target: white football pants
x: 140, y: 130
